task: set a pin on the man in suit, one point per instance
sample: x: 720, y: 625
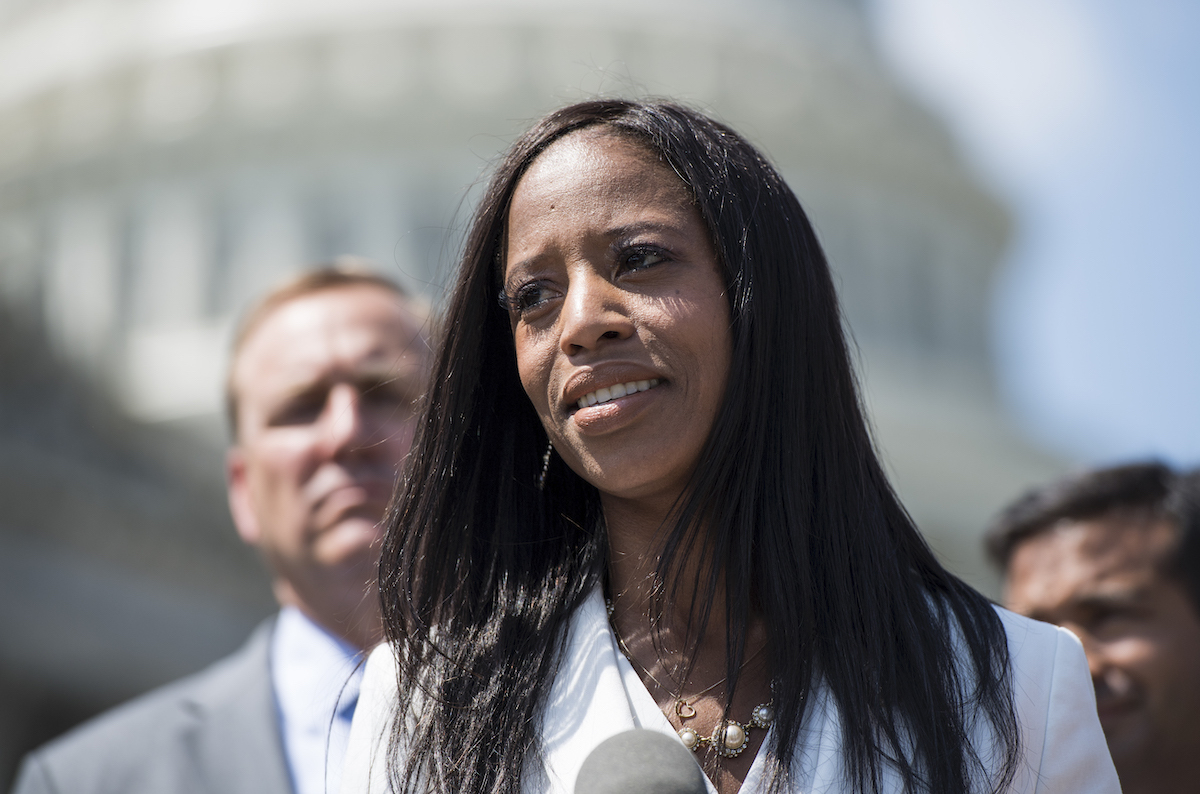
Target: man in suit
x: 323, y: 380
x: 1114, y: 556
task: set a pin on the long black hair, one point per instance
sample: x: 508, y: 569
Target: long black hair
x: 482, y: 569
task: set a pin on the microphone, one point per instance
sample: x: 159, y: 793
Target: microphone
x: 640, y: 761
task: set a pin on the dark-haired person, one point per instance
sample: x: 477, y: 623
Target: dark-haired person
x: 643, y: 396
x: 1114, y: 555
x: 322, y: 381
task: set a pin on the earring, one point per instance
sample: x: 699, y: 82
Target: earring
x: 541, y: 480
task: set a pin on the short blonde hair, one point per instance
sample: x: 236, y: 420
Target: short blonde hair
x: 339, y: 273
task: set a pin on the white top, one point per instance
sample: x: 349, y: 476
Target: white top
x: 597, y: 694
x: 316, y: 678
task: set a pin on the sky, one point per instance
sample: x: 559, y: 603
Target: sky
x: 1084, y: 115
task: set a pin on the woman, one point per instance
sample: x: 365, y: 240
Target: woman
x: 644, y: 494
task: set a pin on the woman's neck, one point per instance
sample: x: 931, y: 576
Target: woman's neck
x: 684, y: 671
x: 636, y: 533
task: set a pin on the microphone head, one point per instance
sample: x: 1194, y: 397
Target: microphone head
x: 640, y: 761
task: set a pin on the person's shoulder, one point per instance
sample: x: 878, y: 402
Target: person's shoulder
x: 1050, y: 676
x: 1062, y: 743
x: 112, y: 749
x: 1032, y: 643
x: 366, y: 763
x: 380, y: 675
x: 177, y: 700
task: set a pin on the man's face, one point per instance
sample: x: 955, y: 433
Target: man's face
x: 1102, y: 579
x: 325, y: 388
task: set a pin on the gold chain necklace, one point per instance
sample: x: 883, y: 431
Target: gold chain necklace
x: 729, y: 737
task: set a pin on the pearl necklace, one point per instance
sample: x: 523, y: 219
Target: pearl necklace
x: 729, y: 737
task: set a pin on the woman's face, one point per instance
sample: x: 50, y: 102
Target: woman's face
x: 619, y: 313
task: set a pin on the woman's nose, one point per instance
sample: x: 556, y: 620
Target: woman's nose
x: 593, y: 311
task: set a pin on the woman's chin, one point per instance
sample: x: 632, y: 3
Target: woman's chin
x: 630, y: 482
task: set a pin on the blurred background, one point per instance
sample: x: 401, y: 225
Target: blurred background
x: 1006, y: 191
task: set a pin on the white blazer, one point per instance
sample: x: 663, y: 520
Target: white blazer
x: 597, y: 694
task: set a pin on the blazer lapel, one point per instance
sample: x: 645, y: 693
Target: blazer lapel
x: 595, y: 695
x: 237, y: 738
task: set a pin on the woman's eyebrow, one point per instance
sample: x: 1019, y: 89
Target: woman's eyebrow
x: 639, y: 227
x: 515, y: 268
x: 614, y: 234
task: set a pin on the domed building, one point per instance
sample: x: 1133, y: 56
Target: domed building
x: 162, y: 162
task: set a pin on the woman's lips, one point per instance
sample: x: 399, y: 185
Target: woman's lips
x: 616, y: 412
x: 607, y: 393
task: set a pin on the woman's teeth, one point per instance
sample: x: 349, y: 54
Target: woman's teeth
x: 613, y: 392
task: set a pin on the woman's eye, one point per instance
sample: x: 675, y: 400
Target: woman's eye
x: 642, y: 257
x: 529, y: 296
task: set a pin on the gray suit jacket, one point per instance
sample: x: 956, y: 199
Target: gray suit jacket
x: 216, y: 732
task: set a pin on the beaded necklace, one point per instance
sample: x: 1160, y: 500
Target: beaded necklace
x: 729, y: 737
